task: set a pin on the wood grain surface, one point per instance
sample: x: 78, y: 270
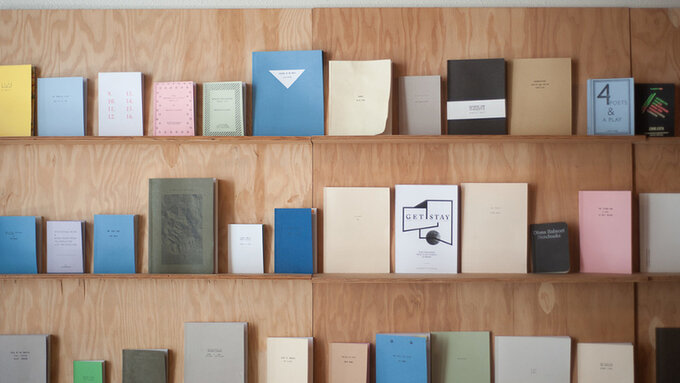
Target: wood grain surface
x: 656, y: 166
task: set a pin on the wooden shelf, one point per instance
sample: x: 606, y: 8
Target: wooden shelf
x: 142, y: 276
x: 152, y: 139
x: 454, y: 139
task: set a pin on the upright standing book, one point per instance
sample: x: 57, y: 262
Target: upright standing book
x: 216, y: 352
x: 25, y: 358
x: 605, y: 230
x: 532, y: 359
x: 611, y: 110
x: 115, y: 243
x: 295, y: 241
x: 549, y: 247
x: 65, y: 246
x: 655, y: 109
x: 402, y: 358
x: 659, y: 239
x: 476, y: 96
x: 89, y: 371
x: 62, y: 106
x: 20, y: 245
x: 667, y: 351
x: 183, y: 225
x: 17, y: 93
x: 461, y: 356
x: 290, y: 360
x: 145, y: 366
x: 174, y: 108
x: 246, y: 253
x: 120, y: 104
x: 349, y: 362
x: 605, y: 363
x: 426, y: 228
x: 288, y: 93
x: 224, y: 104
x: 420, y: 105
x: 359, y: 97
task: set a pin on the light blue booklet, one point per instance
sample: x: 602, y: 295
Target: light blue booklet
x: 62, y: 106
x: 20, y: 245
x: 114, y: 244
x: 402, y: 358
x: 611, y: 107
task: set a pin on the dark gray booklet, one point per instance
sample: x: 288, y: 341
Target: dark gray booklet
x: 667, y: 355
x: 145, y: 366
x: 550, y: 247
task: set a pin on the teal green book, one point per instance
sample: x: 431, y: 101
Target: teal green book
x: 461, y: 356
x: 88, y: 371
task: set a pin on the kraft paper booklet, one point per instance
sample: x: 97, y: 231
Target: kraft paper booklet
x: 16, y: 100
x: 359, y: 97
x: 224, y: 104
x: 659, y: 239
x: 494, y: 227
x: 120, y: 104
x: 532, y: 359
x: 420, y: 105
x: 246, y: 255
x: 289, y: 360
x: 356, y: 226
x: 174, y: 108
x: 349, y: 362
x: 426, y: 228
x: 89, y: 371
x: 605, y: 363
x: 25, y: 358
x: 65, y: 246
x: 62, y: 106
x: 540, y: 96
x: 216, y: 352
x: 461, y: 356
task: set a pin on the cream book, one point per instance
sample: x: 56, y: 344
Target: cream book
x: 290, y: 360
x: 605, y: 363
x: 659, y: 239
x: 349, y: 362
x: 356, y: 230
x: 359, y: 97
x: 540, y: 96
x: 17, y: 86
x: 532, y: 359
x: 494, y: 227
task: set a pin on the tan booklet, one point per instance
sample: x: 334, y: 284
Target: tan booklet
x: 494, y: 228
x: 540, y: 96
x: 605, y: 363
x: 349, y: 362
x: 356, y: 230
x: 359, y: 97
x: 289, y: 360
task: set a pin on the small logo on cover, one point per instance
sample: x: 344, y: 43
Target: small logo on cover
x: 431, y: 219
x: 287, y: 77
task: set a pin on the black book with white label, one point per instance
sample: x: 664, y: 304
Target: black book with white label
x: 550, y: 247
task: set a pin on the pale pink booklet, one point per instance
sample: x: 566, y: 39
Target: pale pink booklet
x: 174, y: 109
x: 605, y: 230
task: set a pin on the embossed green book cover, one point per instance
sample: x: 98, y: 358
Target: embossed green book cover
x: 145, y: 366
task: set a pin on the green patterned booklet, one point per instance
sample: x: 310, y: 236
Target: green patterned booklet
x: 224, y: 104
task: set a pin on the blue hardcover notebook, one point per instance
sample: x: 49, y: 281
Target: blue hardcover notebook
x: 294, y: 241
x: 611, y: 107
x: 401, y: 358
x: 114, y: 244
x: 288, y: 93
x: 20, y: 245
x: 62, y: 106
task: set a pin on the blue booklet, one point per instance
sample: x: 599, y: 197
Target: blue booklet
x: 401, y: 358
x: 288, y: 93
x: 20, y: 245
x: 611, y: 107
x: 114, y: 244
x: 294, y: 241
x: 61, y: 105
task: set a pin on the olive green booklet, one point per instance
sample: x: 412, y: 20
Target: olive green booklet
x: 145, y: 366
x: 88, y: 371
x: 461, y: 356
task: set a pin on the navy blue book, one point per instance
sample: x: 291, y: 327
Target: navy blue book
x: 20, y: 245
x: 288, y: 93
x: 402, y: 358
x: 114, y: 244
x: 295, y: 241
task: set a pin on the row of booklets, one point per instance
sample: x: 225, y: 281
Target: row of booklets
x: 217, y: 352
x: 288, y: 100
x: 492, y: 237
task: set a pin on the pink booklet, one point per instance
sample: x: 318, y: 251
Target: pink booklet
x: 605, y: 230
x: 174, y: 108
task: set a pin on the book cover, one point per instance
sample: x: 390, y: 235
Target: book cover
x: 356, y: 230
x: 174, y: 108
x: 476, y: 96
x: 224, y: 104
x: 349, y: 362
x: 295, y: 241
x: 88, y: 371
x: 115, y: 239
x: 402, y: 358
x: 216, y: 352
x: 120, y: 104
x: 62, y: 106
x: 20, y: 248
x: 461, y: 356
x: 182, y: 225
x: 532, y: 359
x: 25, y: 358
x: 65, y: 246
x: 539, y: 91
x: 659, y: 239
x: 16, y: 100
x: 359, y: 97
x: 611, y: 110
x: 667, y: 351
x: 290, y: 360
x: 605, y: 230
x: 145, y: 366
x: 426, y: 229
x: 420, y: 105
x: 655, y: 109
x: 494, y: 227
x: 246, y: 254
x: 549, y: 247
x: 288, y: 93
x: 605, y: 363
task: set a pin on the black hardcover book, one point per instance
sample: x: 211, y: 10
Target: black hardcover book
x: 654, y: 109
x: 476, y: 97
x: 550, y: 247
x: 667, y: 355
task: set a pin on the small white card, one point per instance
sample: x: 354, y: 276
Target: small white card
x: 120, y: 104
x: 65, y: 246
x: 245, y: 249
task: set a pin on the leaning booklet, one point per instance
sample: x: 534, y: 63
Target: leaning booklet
x: 402, y: 358
x: 605, y: 363
x: 145, y: 366
x: 349, y: 362
x: 115, y: 243
x: 290, y: 360
x: 25, y: 358
x: 216, y: 352
x: 20, y: 244
x: 88, y: 371
x: 461, y: 356
x: 65, y: 246
x: 532, y: 359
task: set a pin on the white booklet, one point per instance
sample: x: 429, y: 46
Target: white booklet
x: 605, y: 363
x: 120, y: 104
x: 659, y: 239
x: 65, y: 246
x: 289, y: 360
x: 245, y: 249
x: 25, y: 358
x: 533, y: 359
